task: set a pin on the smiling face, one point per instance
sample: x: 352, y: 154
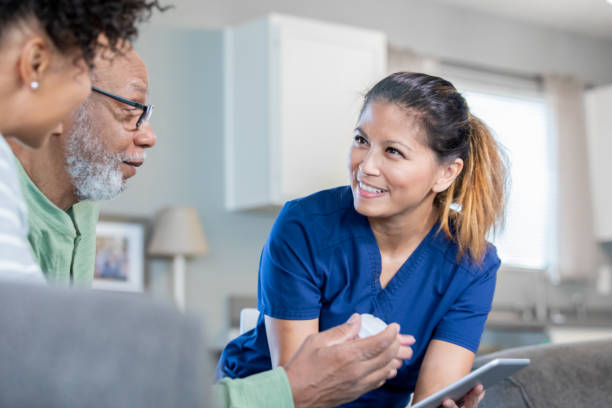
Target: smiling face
x: 103, y: 145
x: 393, y: 172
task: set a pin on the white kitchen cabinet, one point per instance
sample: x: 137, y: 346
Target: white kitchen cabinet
x: 598, y: 103
x: 293, y: 89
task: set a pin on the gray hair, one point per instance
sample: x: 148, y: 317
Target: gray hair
x: 94, y: 170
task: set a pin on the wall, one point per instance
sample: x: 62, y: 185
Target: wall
x: 186, y: 165
x: 428, y: 28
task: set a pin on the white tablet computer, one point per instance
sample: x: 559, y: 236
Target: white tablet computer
x: 487, y: 375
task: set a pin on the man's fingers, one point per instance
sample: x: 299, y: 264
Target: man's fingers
x: 404, y: 353
x: 374, y: 345
x: 343, y: 332
x: 392, y: 373
x: 378, y: 377
x: 372, y: 359
x: 406, y: 340
x: 396, y: 363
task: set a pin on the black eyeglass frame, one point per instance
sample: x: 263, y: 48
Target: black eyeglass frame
x: 147, y: 110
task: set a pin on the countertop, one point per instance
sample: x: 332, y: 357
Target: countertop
x: 520, y: 320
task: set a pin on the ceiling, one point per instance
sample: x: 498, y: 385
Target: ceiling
x: 591, y: 17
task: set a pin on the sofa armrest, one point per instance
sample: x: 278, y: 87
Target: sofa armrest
x: 84, y: 348
x: 562, y: 375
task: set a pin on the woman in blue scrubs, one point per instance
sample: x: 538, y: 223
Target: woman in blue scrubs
x: 405, y: 242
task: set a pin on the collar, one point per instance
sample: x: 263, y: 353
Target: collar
x: 42, y: 211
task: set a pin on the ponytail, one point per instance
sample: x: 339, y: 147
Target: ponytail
x: 475, y: 202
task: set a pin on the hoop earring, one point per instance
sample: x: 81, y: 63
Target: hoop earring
x: 34, y: 85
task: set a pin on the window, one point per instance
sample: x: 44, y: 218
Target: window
x: 521, y: 125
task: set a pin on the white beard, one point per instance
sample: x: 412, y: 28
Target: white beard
x: 95, y: 172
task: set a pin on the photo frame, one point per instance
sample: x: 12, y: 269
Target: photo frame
x: 120, y: 253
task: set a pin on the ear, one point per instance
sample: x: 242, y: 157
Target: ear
x: 447, y: 174
x: 34, y: 60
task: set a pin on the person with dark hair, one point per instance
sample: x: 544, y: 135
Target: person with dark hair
x: 47, y: 48
x: 406, y: 241
x: 89, y: 157
x: 52, y: 44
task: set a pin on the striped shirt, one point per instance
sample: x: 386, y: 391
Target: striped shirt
x: 16, y: 260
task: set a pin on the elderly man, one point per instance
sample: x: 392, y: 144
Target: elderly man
x: 89, y: 157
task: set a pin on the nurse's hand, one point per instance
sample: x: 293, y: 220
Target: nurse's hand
x: 470, y: 400
x: 335, y: 366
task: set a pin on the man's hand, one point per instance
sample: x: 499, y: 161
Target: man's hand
x: 335, y: 366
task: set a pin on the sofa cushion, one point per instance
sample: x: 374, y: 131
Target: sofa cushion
x: 83, y: 348
x: 563, y: 375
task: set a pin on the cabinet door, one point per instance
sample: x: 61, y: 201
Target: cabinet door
x: 598, y: 104
x: 324, y: 71
x: 293, y: 90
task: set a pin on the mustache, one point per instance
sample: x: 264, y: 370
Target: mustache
x: 136, y: 157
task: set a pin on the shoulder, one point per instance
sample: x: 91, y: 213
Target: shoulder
x: 5, y: 150
x: 322, y: 203
x: 11, y: 194
x: 8, y: 166
x: 319, y: 217
x: 322, y: 208
x: 448, y: 248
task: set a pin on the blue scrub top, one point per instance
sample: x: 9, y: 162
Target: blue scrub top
x: 322, y: 261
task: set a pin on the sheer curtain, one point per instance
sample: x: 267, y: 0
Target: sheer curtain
x: 576, y: 254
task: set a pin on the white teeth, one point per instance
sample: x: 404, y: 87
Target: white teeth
x: 370, y: 189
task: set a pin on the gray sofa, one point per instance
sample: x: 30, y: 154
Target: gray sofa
x: 76, y: 348
x: 561, y: 376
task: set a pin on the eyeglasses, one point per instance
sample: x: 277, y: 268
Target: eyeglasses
x: 147, y: 110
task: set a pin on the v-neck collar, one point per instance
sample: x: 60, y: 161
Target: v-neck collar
x: 405, y: 270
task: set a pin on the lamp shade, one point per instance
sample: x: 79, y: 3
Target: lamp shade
x: 177, y: 231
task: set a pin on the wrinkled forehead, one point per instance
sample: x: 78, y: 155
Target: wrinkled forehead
x: 124, y: 75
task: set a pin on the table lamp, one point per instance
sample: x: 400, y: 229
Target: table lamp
x: 178, y: 234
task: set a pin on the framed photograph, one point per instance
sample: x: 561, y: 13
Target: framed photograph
x: 120, y: 253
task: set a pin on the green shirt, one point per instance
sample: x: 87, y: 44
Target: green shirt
x: 270, y: 389
x: 63, y: 242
